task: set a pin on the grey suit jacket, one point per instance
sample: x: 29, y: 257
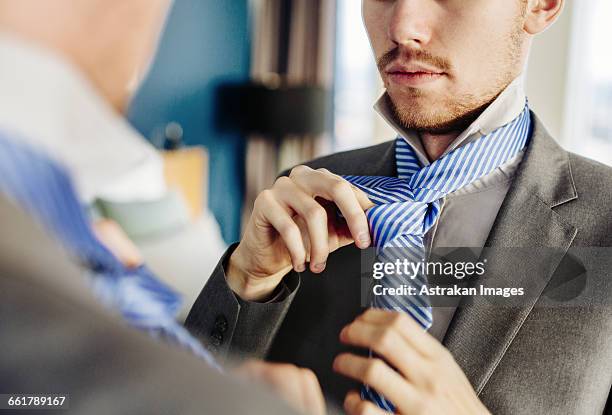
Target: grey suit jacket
x: 550, y: 353
x: 56, y: 339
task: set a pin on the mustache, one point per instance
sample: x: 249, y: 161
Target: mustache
x: 414, y: 55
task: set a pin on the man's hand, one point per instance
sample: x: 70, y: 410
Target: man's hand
x: 293, y: 223
x: 116, y: 240
x: 417, y: 374
x: 298, y: 387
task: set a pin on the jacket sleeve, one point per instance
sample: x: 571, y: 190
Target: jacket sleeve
x: 232, y: 327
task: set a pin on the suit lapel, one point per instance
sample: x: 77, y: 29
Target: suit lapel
x: 482, y: 329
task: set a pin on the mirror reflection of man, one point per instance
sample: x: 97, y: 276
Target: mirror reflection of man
x: 472, y: 167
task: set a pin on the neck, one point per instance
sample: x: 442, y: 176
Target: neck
x: 436, y: 144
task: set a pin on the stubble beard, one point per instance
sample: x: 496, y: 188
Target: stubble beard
x: 454, y: 113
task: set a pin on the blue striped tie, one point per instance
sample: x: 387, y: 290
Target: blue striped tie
x: 407, y: 206
x: 42, y: 188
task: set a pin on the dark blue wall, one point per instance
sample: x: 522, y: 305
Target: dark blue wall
x: 206, y: 43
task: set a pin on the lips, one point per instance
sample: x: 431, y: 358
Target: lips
x: 413, y: 74
x: 413, y: 68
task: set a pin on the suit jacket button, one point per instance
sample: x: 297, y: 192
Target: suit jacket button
x: 216, y: 338
x: 221, y: 324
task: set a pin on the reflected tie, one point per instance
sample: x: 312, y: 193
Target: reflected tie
x: 407, y: 206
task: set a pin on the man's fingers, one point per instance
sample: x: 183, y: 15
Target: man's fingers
x: 351, y: 202
x: 313, y: 396
x: 354, y: 405
x: 345, y: 197
x: 377, y: 374
x: 116, y: 240
x: 362, y: 198
x: 299, y: 387
x: 313, y: 214
x: 304, y: 224
x: 283, y: 223
x: 339, y: 233
x: 388, y: 344
x: 410, y: 330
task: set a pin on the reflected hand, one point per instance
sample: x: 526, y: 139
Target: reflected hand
x: 414, y: 370
x: 293, y: 223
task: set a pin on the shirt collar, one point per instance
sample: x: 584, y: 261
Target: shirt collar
x: 48, y: 103
x: 505, y: 108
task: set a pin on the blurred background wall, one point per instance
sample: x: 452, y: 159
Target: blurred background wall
x: 206, y: 43
x: 322, y: 43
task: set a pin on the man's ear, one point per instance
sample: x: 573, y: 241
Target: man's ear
x: 540, y: 14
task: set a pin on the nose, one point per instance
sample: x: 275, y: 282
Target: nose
x: 410, y: 23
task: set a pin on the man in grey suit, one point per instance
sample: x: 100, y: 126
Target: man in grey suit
x: 57, y: 339
x: 292, y: 288
x: 73, y: 66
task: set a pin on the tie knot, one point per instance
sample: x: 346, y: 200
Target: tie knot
x: 390, y: 220
x: 386, y: 190
x: 408, y: 205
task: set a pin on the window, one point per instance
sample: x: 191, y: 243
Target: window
x: 589, y: 106
x: 355, y: 86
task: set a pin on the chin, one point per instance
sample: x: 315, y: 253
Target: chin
x: 417, y: 100
x: 429, y: 116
